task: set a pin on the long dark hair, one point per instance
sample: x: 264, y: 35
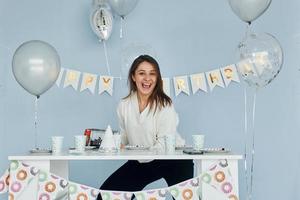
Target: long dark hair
x: 158, y: 98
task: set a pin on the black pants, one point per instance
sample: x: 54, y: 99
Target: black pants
x: 134, y: 176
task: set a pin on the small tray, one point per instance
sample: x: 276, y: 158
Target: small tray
x: 38, y: 150
x: 136, y: 147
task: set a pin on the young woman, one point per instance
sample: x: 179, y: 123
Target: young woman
x: 146, y: 115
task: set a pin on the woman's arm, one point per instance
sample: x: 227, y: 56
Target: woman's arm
x: 120, y: 113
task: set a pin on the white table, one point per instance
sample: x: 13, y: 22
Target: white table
x: 58, y: 164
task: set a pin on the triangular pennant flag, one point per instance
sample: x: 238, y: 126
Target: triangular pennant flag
x: 219, y: 177
x: 106, y: 84
x: 58, y: 80
x: 181, y: 85
x: 112, y: 195
x: 78, y: 191
x: 166, y: 86
x: 198, y: 82
x: 72, y: 78
x: 88, y: 82
x: 229, y: 74
x: 214, y: 78
x: 159, y: 194
x: 52, y: 186
x: 21, y: 175
x: 189, y: 189
x: 4, y: 182
x: 246, y: 68
x: 262, y: 62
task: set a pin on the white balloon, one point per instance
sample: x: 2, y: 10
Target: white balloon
x: 249, y: 10
x: 36, y: 66
x: 102, y: 21
x: 123, y: 7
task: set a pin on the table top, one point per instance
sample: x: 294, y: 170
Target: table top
x: 125, y: 155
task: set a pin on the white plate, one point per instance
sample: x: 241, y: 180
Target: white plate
x: 215, y: 150
x: 136, y: 147
x: 38, y: 150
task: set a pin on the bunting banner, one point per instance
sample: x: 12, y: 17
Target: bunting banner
x: 189, y: 189
x: 160, y: 194
x: 181, y: 85
x: 72, y: 78
x: 198, y: 82
x: 51, y: 186
x: 4, y: 182
x: 106, y: 84
x: 214, y: 79
x: 88, y: 82
x: 229, y: 74
x: 166, y: 86
x: 21, y: 175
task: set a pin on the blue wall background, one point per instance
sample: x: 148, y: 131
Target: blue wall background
x: 187, y: 37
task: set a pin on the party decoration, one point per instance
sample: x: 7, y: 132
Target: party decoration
x: 198, y: 82
x: 101, y: 21
x: 36, y: 66
x: 88, y: 82
x: 78, y: 192
x: 123, y: 7
x: 249, y: 10
x: 151, y: 194
x: 214, y: 79
x: 106, y: 84
x: 189, y: 190
x: 229, y: 73
x: 261, y: 59
x: 113, y: 195
x: 181, y: 85
x: 4, y: 182
x: 72, y: 78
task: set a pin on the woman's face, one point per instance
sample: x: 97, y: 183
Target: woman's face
x: 145, y: 78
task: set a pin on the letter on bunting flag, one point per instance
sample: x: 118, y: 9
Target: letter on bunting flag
x: 246, y: 68
x: 88, y: 82
x: 189, y: 189
x: 219, y: 177
x: 57, y: 82
x: 181, y: 85
x: 166, y: 86
x: 106, y: 84
x: 21, y: 175
x: 229, y: 74
x: 151, y: 194
x: 198, y: 82
x: 52, y: 186
x: 72, y: 78
x: 214, y: 78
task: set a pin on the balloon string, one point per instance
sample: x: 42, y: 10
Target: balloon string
x: 245, y: 147
x: 253, y: 143
x: 35, y: 122
x: 106, y: 58
x: 121, y: 27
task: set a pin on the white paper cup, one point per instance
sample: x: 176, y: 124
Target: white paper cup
x: 79, y: 141
x: 57, y: 144
x: 170, y: 143
x: 117, y: 140
x: 198, y: 142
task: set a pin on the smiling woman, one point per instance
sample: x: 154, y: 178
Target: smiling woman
x: 146, y: 116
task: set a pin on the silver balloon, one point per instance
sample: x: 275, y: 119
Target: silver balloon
x: 123, y: 7
x: 101, y: 20
x: 36, y: 66
x: 249, y: 10
x: 260, y: 59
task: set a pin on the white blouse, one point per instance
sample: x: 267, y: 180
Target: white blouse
x: 146, y: 128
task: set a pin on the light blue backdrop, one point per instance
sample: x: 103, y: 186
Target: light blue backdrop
x: 187, y: 37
